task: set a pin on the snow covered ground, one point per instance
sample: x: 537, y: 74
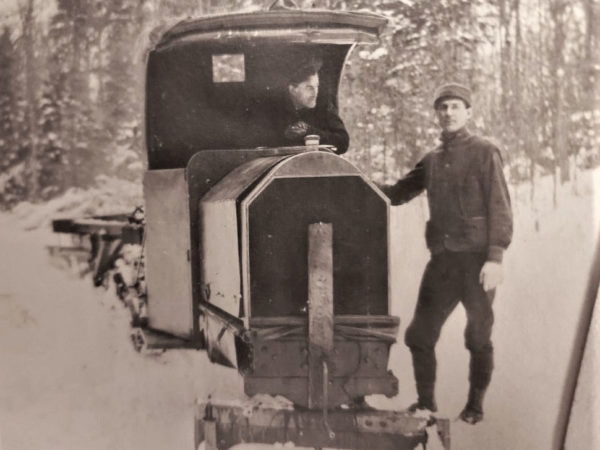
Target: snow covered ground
x: 69, y: 378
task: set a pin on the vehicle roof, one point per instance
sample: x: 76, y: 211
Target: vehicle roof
x: 292, y: 24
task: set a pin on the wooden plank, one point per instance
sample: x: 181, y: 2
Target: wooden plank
x: 320, y: 308
x: 374, y: 320
x: 111, y: 228
x: 145, y: 340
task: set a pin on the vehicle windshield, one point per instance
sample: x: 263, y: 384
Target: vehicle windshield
x: 207, y: 96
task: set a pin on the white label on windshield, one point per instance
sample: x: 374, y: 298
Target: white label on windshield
x: 228, y: 68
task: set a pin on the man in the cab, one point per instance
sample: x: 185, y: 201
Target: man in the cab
x: 302, y: 115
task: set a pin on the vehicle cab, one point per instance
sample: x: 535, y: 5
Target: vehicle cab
x: 208, y: 78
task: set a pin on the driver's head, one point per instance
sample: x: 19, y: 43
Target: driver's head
x: 303, y: 84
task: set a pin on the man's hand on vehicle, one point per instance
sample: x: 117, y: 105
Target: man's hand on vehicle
x: 491, y: 275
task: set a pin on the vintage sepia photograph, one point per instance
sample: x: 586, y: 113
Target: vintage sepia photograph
x: 299, y: 224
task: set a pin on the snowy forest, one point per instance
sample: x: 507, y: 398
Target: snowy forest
x: 72, y: 85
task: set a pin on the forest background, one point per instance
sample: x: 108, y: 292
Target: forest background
x: 72, y: 86
x: 72, y: 76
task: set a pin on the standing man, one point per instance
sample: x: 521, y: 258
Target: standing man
x: 470, y: 226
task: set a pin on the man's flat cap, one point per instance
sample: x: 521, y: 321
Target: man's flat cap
x: 452, y: 90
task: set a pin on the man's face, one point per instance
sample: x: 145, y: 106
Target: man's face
x: 452, y: 114
x: 304, y: 94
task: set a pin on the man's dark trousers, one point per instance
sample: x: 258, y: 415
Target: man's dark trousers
x: 451, y: 277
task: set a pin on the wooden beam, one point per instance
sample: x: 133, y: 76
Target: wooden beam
x: 320, y: 309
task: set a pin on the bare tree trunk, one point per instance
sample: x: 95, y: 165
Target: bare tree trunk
x: 532, y: 181
x: 517, y: 70
x: 504, y: 59
x: 517, y: 96
x: 554, y: 187
x: 587, y: 71
x: 559, y: 125
x: 385, y: 161
x: 31, y: 164
x: 75, y: 92
x: 369, y: 161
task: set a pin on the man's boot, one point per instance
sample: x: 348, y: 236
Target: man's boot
x: 473, y: 411
x: 426, y: 399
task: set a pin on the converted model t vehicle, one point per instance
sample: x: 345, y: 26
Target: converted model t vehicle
x: 274, y: 259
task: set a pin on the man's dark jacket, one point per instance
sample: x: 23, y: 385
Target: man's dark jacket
x: 275, y: 115
x: 469, y: 203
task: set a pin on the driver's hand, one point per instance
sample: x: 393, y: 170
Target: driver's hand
x: 296, y: 130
